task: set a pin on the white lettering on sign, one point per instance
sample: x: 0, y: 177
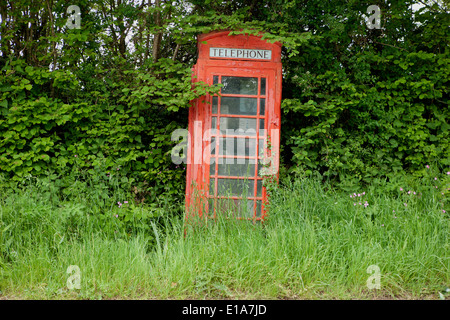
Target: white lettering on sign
x: 240, y: 53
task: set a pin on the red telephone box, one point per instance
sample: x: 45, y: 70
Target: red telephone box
x: 234, y: 135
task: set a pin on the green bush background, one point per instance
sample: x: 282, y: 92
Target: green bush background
x: 359, y: 105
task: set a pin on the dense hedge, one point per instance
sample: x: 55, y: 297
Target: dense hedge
x: 363, y: 104
x: 116, y: 129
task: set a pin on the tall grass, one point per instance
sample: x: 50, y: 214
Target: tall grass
x: 315, y: 244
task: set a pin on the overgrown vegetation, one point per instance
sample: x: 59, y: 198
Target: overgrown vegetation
x: 360, y: 104
x: 86, y: 117
x: 317, y: 243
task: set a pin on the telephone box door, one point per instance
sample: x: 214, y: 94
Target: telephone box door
x: 240, y: 126
x: 237, y: 121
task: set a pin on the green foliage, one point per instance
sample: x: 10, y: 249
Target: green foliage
x: 365, y: 104
x: 132, y: 133
x: 72, y: 206
x: 358, y: 104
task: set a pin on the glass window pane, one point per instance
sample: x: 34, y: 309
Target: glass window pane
x: 242, y: 208
x: 262, y: 133
x: 237, y: 147
x: 242, y: 147
x: 262, y: 106
x: 215, y: 79
x: 212, y: 169
x: 213, y: 122
x: 238, y: 126
x: 213, y: 146
x: 245, y: 147
x: 261, y: 124
x: 239, y: 168
x: 263, y: 86
x: 259, y: 188
x: 212, y: 186
x: 215, y: 102
x: 211, y: 207
x: 239, y: 85
x: 235, y: 187
x: 247, y: 208
x: 258, y: 208
x: 238, y: 106
x: 261, y: 148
